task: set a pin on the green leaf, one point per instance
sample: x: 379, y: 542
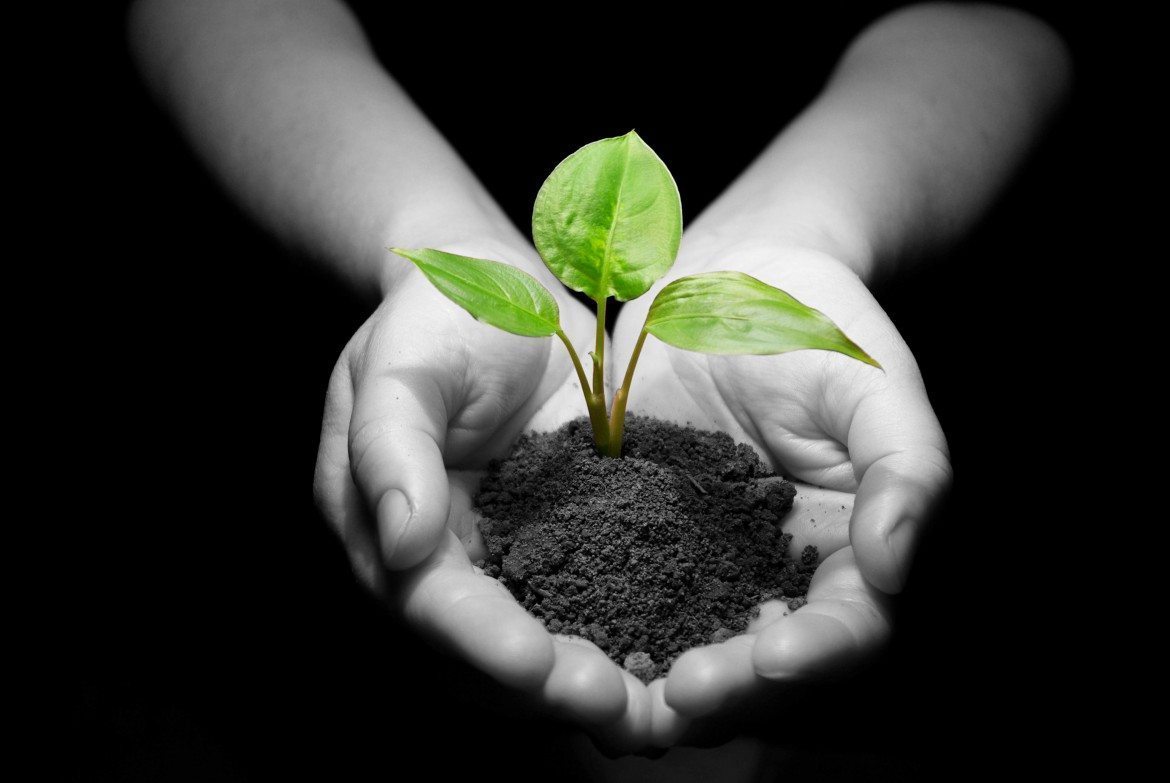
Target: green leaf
x: 734, y: 313
x: 494, y: 293
x: 608, y: 220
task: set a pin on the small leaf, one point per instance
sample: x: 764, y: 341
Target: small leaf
x: 495, y: 293
x: 734, y: 313
x: 608, y: 220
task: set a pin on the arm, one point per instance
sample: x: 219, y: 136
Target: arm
x: 925, y: 118
x: 288, y: 108
x: 285, y: 103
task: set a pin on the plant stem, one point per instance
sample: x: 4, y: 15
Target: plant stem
x: 594, y: 403
x: 617, y: 417
x: 599, y: 353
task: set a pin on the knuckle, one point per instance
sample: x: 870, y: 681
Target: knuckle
x: 928, y: 467
x: 367, y: 438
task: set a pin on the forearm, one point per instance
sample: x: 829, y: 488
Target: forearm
x: 286, y: 104
x: 923, y: 121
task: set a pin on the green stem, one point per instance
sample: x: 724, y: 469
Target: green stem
x: 595, y: 404
x: 576, y: 363
x: 599, y: 353
x: 617, y: 417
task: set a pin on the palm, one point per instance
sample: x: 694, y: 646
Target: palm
x: 422, y: 399
x: 788, y: 407
x: 825, y: 421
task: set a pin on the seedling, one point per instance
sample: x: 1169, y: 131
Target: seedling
x: 607, y: 222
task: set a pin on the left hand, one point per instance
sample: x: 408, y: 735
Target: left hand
x: 420, y: 399
x: 864, y: 446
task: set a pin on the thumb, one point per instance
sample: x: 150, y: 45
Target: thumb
x: 905, y: 470
x: 395, y: 451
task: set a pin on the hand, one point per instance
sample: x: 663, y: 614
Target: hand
x: 865, y: 442
x: 422, y: 396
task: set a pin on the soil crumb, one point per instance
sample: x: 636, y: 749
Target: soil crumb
x: 671, y: 547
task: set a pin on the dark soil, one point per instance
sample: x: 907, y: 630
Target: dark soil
x: 671, y: 547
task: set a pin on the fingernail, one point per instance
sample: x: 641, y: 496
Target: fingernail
x: 394, y: 515
x: 776, y: 670
x: 776, y: 661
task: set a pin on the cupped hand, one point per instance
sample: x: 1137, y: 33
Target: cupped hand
x: 863, y: 445
x: 421, y: 398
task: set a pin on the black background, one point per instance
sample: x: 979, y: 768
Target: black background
x: 219, y: 633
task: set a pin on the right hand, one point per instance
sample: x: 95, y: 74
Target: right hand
x: 421, y: 398
x: 867, y: 453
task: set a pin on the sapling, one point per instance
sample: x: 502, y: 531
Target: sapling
x: 607, y: 223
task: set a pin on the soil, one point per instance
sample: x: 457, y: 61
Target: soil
x: 672, y: 546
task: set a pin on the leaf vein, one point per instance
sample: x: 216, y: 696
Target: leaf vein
x: 494, y: 294
x: 617, y: 211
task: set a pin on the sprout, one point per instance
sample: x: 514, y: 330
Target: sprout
x: 607, y: 223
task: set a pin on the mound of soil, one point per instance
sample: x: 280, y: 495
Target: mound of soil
x: 671, y: 547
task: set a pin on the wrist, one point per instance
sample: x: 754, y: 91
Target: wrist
x: 764, y: 258
x: 465, y: 230
x: 707, y: 249
x: 804, y: 209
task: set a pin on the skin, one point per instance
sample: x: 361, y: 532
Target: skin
x: 865, y: 448
x: 402, y: 443
x: 926, y: 116
x: 921, y: 124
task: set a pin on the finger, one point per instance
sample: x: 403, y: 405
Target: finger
x: 585, y: 686
x: 819, y: 517
x: 463, y: 519
x: 705, y: 679
x: 667, y: 725
x: 901, y: 457
x: 845, y: 620
x: 395, y: 452
x: 630, y: 732
x: 333, y: 487
x: 477, y: 618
